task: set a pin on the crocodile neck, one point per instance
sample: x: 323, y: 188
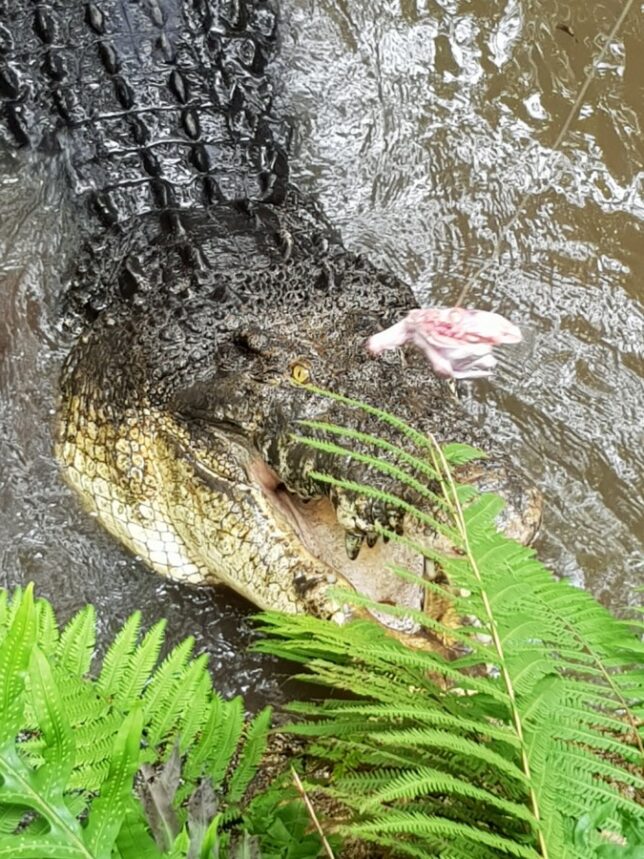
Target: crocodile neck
x: 154, y: 108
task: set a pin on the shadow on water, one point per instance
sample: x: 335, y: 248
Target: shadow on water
x: 420, y: 124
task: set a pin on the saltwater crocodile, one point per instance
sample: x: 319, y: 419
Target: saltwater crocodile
x: 206, y: 290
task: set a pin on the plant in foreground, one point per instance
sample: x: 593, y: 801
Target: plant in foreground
x: 527, y: 741
x: 144, y: 761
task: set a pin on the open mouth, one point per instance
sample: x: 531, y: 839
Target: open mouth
x: 287, y: 552
x: 370, y: 567
x: 367, y: 569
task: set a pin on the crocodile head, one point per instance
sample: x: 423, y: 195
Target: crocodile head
x: 181, y: 424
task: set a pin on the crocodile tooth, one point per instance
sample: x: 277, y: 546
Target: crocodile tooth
x: 352, y: 544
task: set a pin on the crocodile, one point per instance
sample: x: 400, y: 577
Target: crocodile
x: 208, y: 295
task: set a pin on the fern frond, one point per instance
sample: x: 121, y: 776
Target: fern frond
x: 550, y: 684
x: 461, y: 835
x: 15, y: 653
x: 424, y: 781
x: 211, y: 736
x: 414, y: 738
x: 70, y: 746
x: 48, y: 633
x: 164, y: 722
x: 231, y: 729
x: 194, y: 718
x: 165, y: 678
x: 117, y: 656
x: 59, y: 748
x: 135, y: 673
x: 109, y: 809
x: 352, y: 718
x: 13, y: 607
x: 250, y: 757
x: 77, y: 641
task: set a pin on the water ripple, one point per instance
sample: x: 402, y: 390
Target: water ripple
x: 422, y: 139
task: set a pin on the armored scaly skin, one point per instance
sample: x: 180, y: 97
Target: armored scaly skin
x: 204, y: 284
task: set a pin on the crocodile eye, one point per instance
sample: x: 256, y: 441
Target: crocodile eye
x: 300, y: 371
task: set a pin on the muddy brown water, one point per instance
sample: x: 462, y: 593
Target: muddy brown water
x: 420, y: 125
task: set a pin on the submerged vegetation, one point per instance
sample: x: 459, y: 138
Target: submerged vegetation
x: 521, y: 735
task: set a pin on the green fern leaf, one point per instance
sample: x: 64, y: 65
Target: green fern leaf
x: 38, y: 790
x: 58, y: 753
x: 381, y: 714
x: 169, y: 717
x: 164, y: 679
x: 76, y: 644
x: 207, y: 745
x: 136, y: 670
x: 233, y: 722
x: 458, y: 453
x: 14, y: 605
x: 546, y: 669
x: 117, y: 657
x: 48, y: 634
x: 195, y: 717
x: 210, y: 738
x: 251, y: 756
x: 109, y: 809
x: 413, y: 784
x: 417, y: 824
x: 15, y: 653
x: 72, y: 745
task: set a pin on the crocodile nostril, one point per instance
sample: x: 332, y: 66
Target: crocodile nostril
x: 252, y: 340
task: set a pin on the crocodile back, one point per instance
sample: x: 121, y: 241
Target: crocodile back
x: 152, y: 105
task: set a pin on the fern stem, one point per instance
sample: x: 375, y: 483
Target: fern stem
x: 494, y: 632
x: 314, y: 818
x: 614, y: 688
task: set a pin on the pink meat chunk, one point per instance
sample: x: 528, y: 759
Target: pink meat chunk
x: 457, y: 341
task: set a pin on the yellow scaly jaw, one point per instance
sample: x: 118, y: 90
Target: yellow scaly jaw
x: 201, y: 518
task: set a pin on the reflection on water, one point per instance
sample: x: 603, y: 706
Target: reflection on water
x: 420, y: 124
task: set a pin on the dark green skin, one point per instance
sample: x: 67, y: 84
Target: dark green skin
x: 203, y: 280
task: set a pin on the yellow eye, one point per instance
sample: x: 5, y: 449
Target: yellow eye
x: 300, y: 371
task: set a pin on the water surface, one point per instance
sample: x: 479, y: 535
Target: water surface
x: 421, y: 126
